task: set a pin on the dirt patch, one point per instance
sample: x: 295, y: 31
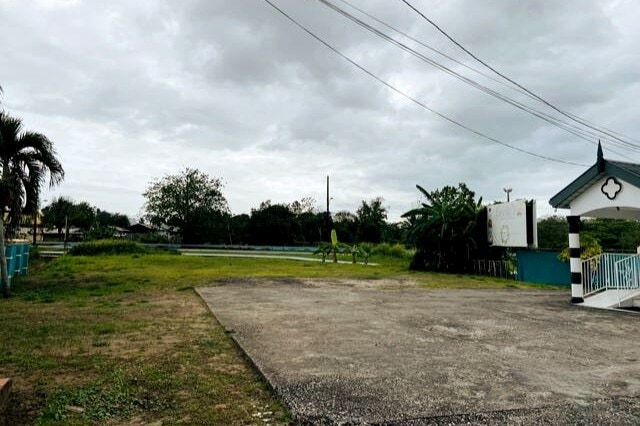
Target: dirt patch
x: 347, y: 351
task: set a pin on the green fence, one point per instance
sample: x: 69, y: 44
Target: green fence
x: 544, y: 267
x: 17, y: 259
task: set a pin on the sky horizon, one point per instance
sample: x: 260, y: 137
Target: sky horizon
x: 132, y: 91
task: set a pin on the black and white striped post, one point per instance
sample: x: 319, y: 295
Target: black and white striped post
x: 577, y: 292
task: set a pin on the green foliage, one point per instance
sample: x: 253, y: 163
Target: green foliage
x: 553, y: 232
x: 443, y: 229
x: 191, y: 202
x: 346, y: 224
x: 398, y: 251
x: 271, y: 224
x: 334, y: 247
x: 372, y: 218
x: 589, y: 247
x: 101, y: 247
x: 613, y: 234
x: 54, y: 215
x: 27, y: 159
x: 114, y: 396
x: 279, y: 224
x: 96, y: 223
x: 324, y: 249
x: 334, y: 238
x: 152, y: 238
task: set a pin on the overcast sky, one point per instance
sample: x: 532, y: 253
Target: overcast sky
x: 130, y: 91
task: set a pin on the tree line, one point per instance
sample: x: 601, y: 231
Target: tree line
x: 63, y: 212
x: 613, y: 235
x: 191, y: 205
x: 448, y: 230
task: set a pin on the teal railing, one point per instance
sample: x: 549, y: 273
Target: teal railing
x: 17, y: 259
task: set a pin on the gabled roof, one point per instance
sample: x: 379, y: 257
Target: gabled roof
x: 628, y: 172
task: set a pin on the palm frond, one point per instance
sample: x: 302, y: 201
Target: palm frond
x: 41, y: 149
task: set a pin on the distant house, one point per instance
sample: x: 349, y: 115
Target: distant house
x: 119, y: 232
x: 140, y: 228
x: 75, y: 234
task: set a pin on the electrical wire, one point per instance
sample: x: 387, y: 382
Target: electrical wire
x: 584, y: 122
x: 434, y: 50
x: 412, y: 99
x: 571, y: 128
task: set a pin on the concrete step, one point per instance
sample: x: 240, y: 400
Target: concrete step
x: 51, y: 254
x: 609, y: 299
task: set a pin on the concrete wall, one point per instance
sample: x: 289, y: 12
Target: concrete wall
x: 593, y: 203
x: 537, y: 266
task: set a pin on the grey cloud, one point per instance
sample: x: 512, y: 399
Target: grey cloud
x: 130, y: 91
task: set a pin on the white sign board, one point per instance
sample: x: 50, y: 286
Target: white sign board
x: 507, y: 225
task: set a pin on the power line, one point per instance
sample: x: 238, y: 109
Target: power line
x: 571, y: 128
x: 434, y: 50
x: 409, y: 97
x: 571, y: 116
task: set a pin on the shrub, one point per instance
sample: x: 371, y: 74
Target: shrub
x: 98, y: 247
x: 391, y: 250
x: 589, y: 247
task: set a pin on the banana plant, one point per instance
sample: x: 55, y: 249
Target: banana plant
x: 334, y: 247
x: 365, y: 251
x: 324, y: 249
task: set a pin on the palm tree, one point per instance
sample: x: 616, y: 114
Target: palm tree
x: 443, y: 228
x: 26, y: 159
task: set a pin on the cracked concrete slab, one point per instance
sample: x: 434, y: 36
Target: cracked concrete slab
x: 388, y: 352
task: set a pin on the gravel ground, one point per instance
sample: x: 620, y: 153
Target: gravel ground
x: 387, y: 352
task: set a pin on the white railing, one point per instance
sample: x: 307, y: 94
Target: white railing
x: 627, y: 277
x: 599, y: 272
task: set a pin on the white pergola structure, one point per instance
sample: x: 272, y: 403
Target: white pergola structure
x: 608, y: 189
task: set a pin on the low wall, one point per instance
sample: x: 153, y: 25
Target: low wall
x: 17, y: 259
x: 543, y: 267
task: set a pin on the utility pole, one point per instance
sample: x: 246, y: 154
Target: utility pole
x: 35, y: 224
x: 508, y: 191
x: 66, y: 232
x: 327, y: 218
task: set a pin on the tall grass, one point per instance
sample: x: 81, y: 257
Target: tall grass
x: 100, y: 247
x: 397, y: 251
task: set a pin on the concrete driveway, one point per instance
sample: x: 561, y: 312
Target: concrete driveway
x: 388, y: 352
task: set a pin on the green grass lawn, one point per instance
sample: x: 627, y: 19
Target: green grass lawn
x: 121, y: 339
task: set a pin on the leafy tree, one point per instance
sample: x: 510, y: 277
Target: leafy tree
x: 56, y: 213
x: 191, y: 202
x: 106, y: 218
x: 610, y: 234
x: 83, y: 215
x: 308, y: 221
x: 305, y: 205
x: 308, y: 227
x: 95, y: 222
x: 613, y: 234
x: 346, y: 225
x: 443, y: 229
x: 239, y: 229
x: 27, y: 158
x: 393, y: 232
x: 372, y: 218
x: 589, y: 247
x: 271, y: 224
x: 553, y: 233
